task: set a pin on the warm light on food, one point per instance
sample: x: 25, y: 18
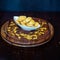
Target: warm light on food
x: 27, y: 21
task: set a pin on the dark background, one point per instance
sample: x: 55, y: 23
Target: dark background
x: 45, y: 9
x: 30, y: 5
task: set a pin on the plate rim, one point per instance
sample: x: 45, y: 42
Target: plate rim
x: 32, y: 45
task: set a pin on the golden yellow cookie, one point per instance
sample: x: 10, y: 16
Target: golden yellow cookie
x: 21, y: 18
x: 28, y: 19
x: 36, y: 24
x: 32, y: 21
x: 30, y: 25
x: 22, y: 23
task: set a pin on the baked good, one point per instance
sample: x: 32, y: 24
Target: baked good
x: 16, y: 35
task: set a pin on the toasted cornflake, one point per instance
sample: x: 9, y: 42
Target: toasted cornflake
x: 17, y: 34
x: 34, y: 36
x: 44, y: 23
x: 22, y: 23
x: 14, y: 31
x: 12, y: 34
x: 41, y: 32
x: 27, y: 21
x: 21, y: 18
x: 36, y: 24
x: 8, y: 30
x: 11, y: 22
x: 28, y: 18
x: 36, y: 32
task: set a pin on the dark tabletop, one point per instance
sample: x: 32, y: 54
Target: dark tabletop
x: 48, y: 51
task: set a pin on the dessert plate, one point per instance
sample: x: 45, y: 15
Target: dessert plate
x: 5, y: 37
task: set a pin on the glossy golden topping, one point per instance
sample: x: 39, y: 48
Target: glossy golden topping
x: 21, y: 18
x: 13, y: 28
x: 27, y: 21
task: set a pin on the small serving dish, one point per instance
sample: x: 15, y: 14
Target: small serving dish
x: 27, y: 28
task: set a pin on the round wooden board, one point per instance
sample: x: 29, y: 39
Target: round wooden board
x: 3, y: 35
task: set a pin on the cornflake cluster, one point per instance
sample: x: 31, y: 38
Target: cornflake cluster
x: 13, y: 28
x: 27, y: 21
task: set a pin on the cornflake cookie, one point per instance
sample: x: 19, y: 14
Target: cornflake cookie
x: 27, y: 21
